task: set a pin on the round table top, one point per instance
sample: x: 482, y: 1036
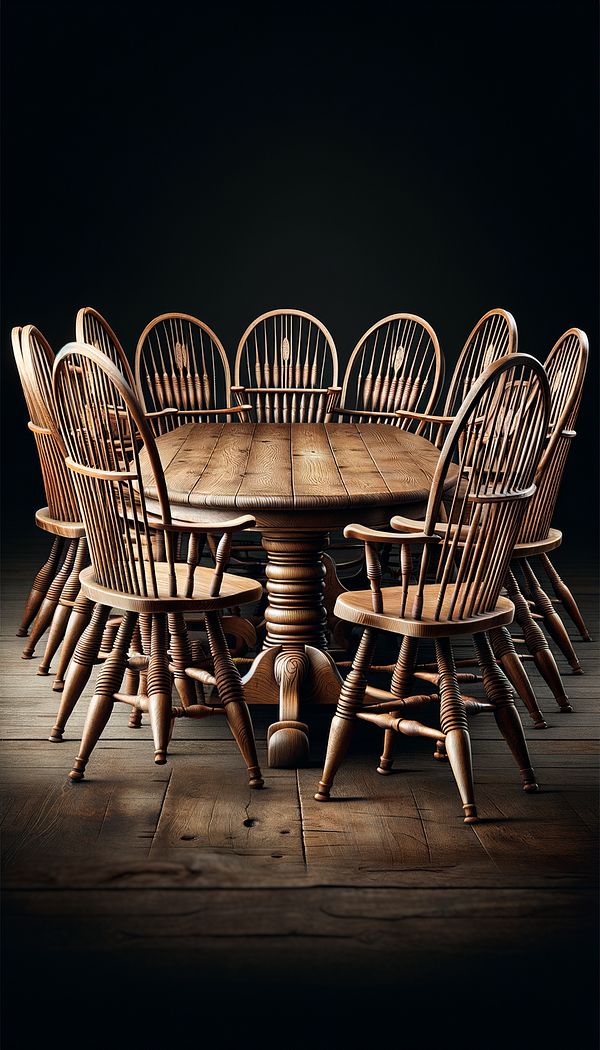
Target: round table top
x: 318, y: 470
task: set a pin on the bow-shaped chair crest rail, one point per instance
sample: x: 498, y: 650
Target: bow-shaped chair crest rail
x: 497, y: 439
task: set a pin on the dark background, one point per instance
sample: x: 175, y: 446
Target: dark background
x: 349, y: 160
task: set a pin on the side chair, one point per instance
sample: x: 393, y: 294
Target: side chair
x: 495, y: 441
x: 105, y: 451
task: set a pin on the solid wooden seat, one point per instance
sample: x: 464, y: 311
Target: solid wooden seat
x: 541, y: 546
x: 357, y: 607
x: 495, y: 443
x: 235, y: 590
x: 72, y: 530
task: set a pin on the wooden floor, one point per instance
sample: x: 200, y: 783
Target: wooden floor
x: 175, y: 898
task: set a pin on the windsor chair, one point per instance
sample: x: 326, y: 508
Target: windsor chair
x: 496, y: 439
x: 397, y: 364
x: 104, y: 460
x: 494, y: 336
x: 286, y: 368
x: 565, y: 367
x: 94, y: 330
x: 182, y: 373
x: 53, y: 600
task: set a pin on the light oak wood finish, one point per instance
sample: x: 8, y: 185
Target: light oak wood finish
x: 286, y: 366
x: 396, y: 365
x: 104, y: 428
x: 496, y: 439
x: 56, y: 586
x: 182, y: 373
x: 299, y: 481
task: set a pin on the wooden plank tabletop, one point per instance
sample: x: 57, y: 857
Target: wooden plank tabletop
x: 304, y: 466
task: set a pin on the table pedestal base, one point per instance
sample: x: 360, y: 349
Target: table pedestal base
x: 289, y: 678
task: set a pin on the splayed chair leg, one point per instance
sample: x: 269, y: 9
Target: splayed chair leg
x: 510, y: 661
x: 552, y: 621
x: 80, y: 669
x: 537, y: 644
x: 342, y: 726
x: 48, y: 606
x: 40, y: 585
x: 399, y: 688
x: 160, y: 703
x: 564, y: 595
x: 78, y: 621
x: 499, y: 693
x: 102, y: 702
x: 231, y: 695
x: 453, y: 720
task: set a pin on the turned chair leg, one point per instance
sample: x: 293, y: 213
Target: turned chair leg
x: 231, y: 695
x: 48, y: 606
x: 181, y: 657
x: 102, y: 702
x: 78, y: 621
x: 40, y: 585
x: 566, y: 598
x: 453, y: 720
x: 552, y: 621
x: 80, y: 669
x: 64, y: 609
x: 160, y: 702
x: 399, y: 688
x: 536, y: 643
x: 342, y: 726
x: 132, y: 680
x: 499, y: 693
x: 510, y: 661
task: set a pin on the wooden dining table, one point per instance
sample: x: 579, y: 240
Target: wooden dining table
x: 300, y: 482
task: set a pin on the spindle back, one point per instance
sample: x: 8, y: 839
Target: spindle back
x: 181, y: 364
x: 36, y: 359
x: 104, y: 431
x: 396, y: 365
x: 495, y: 441
x: 285, y: 367
x: 494, y: 336
x: 94, y: 330
x: 565, y: 366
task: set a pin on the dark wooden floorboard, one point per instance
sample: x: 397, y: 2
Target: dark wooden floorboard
x: 164, y: 877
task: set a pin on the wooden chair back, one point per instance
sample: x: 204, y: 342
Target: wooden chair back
x: 94, y: 330
x: 105, y: 433
x: 396, y: 365
x: 181, y: 364
x: 286, y: 367
x: 495, y: 441
x: 35, y: 359
x: 493, y: 337
x: 565, y: 366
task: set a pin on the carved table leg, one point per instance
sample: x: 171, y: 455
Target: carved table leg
x: 295, y: 617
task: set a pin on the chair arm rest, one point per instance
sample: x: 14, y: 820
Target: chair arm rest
x: 425, y: 417
x: 367, y: 535
x: 245, y: 521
